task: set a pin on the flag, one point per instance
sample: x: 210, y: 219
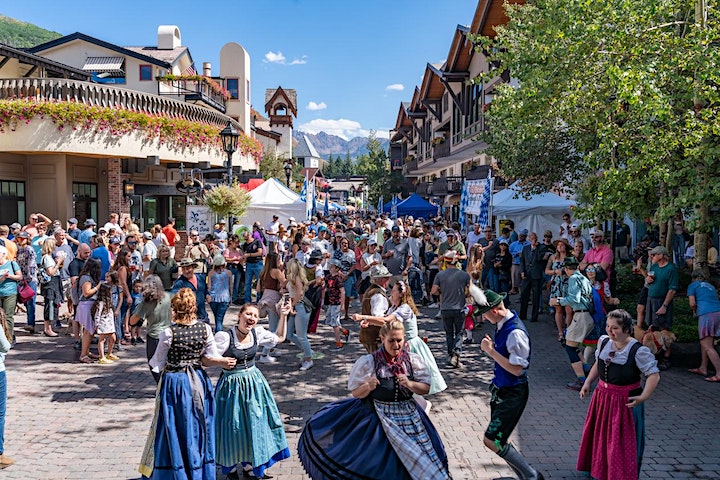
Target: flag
x: 464, y: 201
x: 309, y: 198
x: 393, y: 207
x: 380, y: 204
x: 303, y: 192
x: 484, y: 217
x: 326, y: 210
x: 190, y: 70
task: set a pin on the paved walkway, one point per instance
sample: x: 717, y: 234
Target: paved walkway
x: 68, y: 420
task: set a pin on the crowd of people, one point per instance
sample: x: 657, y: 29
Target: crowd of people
x: 372, y: 270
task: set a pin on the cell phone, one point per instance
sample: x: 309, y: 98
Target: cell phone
x: 286, y: 297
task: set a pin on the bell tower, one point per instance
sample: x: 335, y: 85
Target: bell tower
x: 281, y: 108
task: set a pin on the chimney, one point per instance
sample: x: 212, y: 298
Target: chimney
x: 168, y: 37
x: 207, y: 69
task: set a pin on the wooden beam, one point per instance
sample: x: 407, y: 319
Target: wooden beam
x: 4, y: 61
x: 456, y: 100
x: 434, y: 107
x: 31, y: 71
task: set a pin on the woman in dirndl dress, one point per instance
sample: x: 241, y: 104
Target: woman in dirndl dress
x: 381, y: 432
x: 613, y: 437
x: 181, y: 442
x: 403, y: 309
x: 248, y: 429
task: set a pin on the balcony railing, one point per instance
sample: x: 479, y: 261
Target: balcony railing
x: 193, y: 91
x: 422, y: 189
x: 447, y: 185
x: 64, y: 90
x: 441, y: 150
x: 410, y: 166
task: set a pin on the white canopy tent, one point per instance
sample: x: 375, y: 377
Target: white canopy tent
x: 273, y: 198
x: 537, y: 213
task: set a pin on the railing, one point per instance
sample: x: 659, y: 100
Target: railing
x: 447, y: 185
x: 193, y: 90
x: 410, y: 166
x: 441, y: 150
x: 422, y: 189
x: 64, y: 90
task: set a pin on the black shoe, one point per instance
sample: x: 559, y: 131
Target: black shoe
x: 139, y: 340
x: 664, y: 364
x: 467, y: 341
x: 133, y: 341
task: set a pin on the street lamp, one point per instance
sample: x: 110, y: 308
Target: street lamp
x: 288, y: 171
x: 230, y: 136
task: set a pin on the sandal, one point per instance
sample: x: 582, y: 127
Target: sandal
x: 93, y: 356
x: 714, y: 379
x: 85, y: 359
x: 697, y: 371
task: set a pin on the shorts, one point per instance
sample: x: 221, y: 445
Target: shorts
x: 652, y: 319
x: 582, y: 324
x: 350, y: 290
x: 642, y: 299
x: 332, y: 316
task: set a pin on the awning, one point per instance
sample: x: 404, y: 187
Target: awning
x: 112, y: 65
x: 450, y: 200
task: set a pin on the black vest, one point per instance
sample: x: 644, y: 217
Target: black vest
x: 620, y: 375
x: 187, y: 346
x: 245, y: 356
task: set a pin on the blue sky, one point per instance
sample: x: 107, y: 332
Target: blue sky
x: 351, y: 62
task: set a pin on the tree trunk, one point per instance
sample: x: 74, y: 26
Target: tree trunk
x: 701, y: 242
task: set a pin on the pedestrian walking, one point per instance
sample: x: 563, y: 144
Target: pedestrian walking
x: 510, y: 392
x: 451, y: 284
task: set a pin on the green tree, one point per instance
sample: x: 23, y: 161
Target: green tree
x: 329, y: 170
x: 376, y: 167
x: 616, y: 101
x: 272, y: 166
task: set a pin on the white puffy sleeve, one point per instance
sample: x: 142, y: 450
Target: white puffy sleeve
x: 210, y: 349
x: 222, y: 342
x: 159, y: 359
x: 420, y: 370
x: 361, y: 372
x: 645, y: 361
x: 265, y: 338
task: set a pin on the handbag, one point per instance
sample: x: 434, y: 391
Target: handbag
x: 25, y: 291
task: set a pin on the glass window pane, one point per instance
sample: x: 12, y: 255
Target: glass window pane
x: 21, y: 189
x: 13, y: 189
x: 21, y: 209
x: 93, y: 191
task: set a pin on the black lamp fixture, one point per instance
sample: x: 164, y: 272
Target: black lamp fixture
x: 229, y: 136
x: 288, y: 171
x: 128, y: 188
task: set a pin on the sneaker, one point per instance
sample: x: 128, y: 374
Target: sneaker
x: 577, y: 385
x: 339, y: 345
x: 274, y: 352
x: 307, y: 365
x: 5, y: 461
x: 105, y: 361
x: 139, y: 340
x: 267, y: 359
x: 433, y: 305
x: 467, y: 341
x: 454, y: 360
x: 133, y: 341
x: 438, y: 315
x: 346, y: 335
x: 112, y: 357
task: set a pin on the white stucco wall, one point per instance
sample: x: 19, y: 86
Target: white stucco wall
x: 235, y: 63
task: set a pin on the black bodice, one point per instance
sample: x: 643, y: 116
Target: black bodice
x: 245, y: 356
x: 620, y: 375
x: 187, y: 346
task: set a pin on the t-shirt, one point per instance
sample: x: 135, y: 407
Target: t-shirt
x: 7, y: 286
x: 666, y: 278
x: 252, y: 247
x: 706, y: 297
x: 85, y: 279
x: 490, y: 252
x: 170, y: 234
x: 452, y: 283
x: 156, y: 314
x: 397, y: 263
x: 458, y: 247
x: 347, y: 260
x: 334, y: 288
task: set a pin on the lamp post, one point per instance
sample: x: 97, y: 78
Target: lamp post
x: 230, y: 136
x: 288, y: 171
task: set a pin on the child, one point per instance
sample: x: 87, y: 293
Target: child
x: 137, y: 297
x: 116, y: 294
x: 104, y: 316
x: 336, y: 303
x: 469, y: 321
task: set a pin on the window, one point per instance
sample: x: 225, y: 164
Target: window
x: 232, y: 87
x: 85, y: 202
x: 12, y: 202
x: 247, y: 91
x: 145, y: 73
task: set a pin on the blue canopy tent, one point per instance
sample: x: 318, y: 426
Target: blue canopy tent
x: 414, y: 205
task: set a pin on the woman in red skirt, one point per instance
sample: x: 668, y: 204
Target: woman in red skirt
x: 613, y: 437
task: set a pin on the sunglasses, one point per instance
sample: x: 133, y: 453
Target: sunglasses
x: 590, y: 269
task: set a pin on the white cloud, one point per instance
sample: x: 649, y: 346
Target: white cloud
x: 398, y: 87
x: 272, y: 57
x: 346, y: 129
x: 279, y: 58
x: 316, y: 106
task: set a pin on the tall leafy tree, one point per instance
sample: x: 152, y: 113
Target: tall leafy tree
x: 329, y: 170
x: 615, y: 100
x: 376, y: 166
x: 272, y: 166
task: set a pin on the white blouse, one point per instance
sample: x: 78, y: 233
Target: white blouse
x: 364, y: 370
x: 265, y: 338
x: 159, y: 359
x: 644, y: 359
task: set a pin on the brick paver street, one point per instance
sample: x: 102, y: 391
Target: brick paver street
x: 68, y: 420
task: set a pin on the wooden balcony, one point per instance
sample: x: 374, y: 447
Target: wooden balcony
x: 447, y: 185
x: 409, y: 167
x: 422, y: 189
x: 87, y: 93
x: 193, y: 91
x: 441, y: 150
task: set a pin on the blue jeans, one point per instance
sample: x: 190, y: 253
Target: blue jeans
x: 252, y: 272
x: 273, y: 322
x: 3, y: 405
x: 492, y: 279
x: 299, y: 323
x: 219, y: 309
x: 237, y: 274
x: 30, y: 305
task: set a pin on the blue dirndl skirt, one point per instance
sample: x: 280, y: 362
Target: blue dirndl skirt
x: 248, y: 428
x: 345, y: 440
x: 184, y: 445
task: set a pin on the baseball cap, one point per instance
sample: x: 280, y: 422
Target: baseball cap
x: 291, y: 219
x: 222, y: 221
x: 114, y: 241
x: 659, y: 250
x: 23, y: 235
x: 90, y: 222
x: 598, y: 233
x: 451, y: 232
x: 372, y: 241
x: 15, y: 226
x: 147, y: 235
x: 395, y: 228
x: 73, y: 221
x: 523, y: 232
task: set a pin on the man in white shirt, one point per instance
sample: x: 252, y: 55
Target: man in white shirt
x: 565, y: 227
x: 271, y: 232
x: 149, y: 252
x: 473, y: 236
x: 113, y: 223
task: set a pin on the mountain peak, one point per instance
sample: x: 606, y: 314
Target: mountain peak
x: 328, y: 144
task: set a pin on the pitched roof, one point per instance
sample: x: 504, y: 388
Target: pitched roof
x: 96, y: 41
x: 289, y: 94
x: 305, y: 149
x: 50, y: 66
x: 169, y: 56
